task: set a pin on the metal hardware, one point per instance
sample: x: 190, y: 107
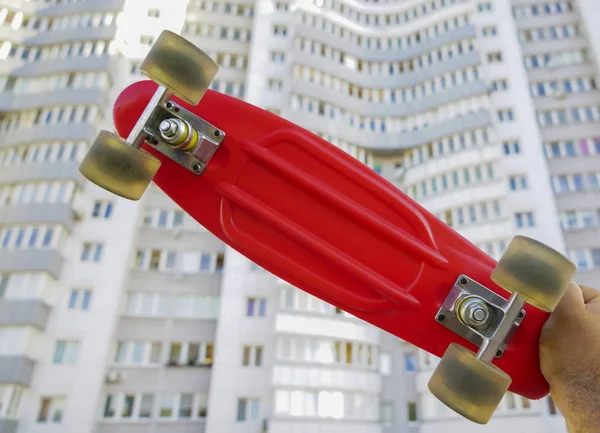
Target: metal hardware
x: 137, y: 136
x: 473, y: 311
x: 481, y: 316
x: 176, y: 132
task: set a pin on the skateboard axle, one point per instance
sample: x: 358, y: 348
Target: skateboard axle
x: 178, y: 133
x: 473, y: 311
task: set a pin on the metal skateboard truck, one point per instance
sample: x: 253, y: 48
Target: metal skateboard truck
x: 309, y: 213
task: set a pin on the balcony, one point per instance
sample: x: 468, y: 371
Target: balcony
x: 41, y: 171
x: 68, y: 8
x: 389, y: 55
x: 581, y: 164
x: 126, y: 426
x: 399, y: 109
x: 20, y: 68
x: 8, y: 425
x: 322, y: 377
x: 50, y: 261
x: 9, y: 101
x: 378, y: 81
x: 577, y: 200
x: 16, y: 370
x: 179, y: 238
x: 332, y: 327
x: 46, y: 133
x: 453, y: 161
x: 169, y: 380
x: 51, y: 213
x: 72, y: 35
x: 205, y: 283
x: 391, y: 143
x: 329, y: 426
x: 24, y: 313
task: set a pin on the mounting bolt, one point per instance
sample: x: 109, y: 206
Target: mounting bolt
x: 441, y: 317
x: 473, y: 311
x: 217, y: 133
x: 463, y: 281
x: 169, y: 105
x: 521, y: 314
x: 196, y: 168
x: 499, y: 353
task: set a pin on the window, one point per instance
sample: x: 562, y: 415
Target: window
x: 517, y: 182
x: 80, y: 299
x: 252, y: 355
x: 247, y: 409
x: 155, y: 352
x: 166, y: 406
x: 146, y: 40
x: 146, y: 406
x: 177, y: 218
x: 102, y: 209
x: 205, y: 262
x: 128, y: 403
x: 484, y: 7
x: 138, y: 352
x: 385, y: 363
x: 489, y: 31
x: 580, y: 258
x: 511, y: 147
x: 154, y: 13
x: 65, y: 352
x: 387, y: 412
x: 275, y: 84
x: 277, y: 57
x: 510, y: 400
x: 3, y: 285
x: 524, y: 219
x: 495, y: 57
x: 596, y: 257
x: 174, y: 353
x: 412, y: 411
x: 185, y: 405
x: 499, y: 85
x: 51, y: 410
x: 410, y: 362
x: 256, y: 307
x: 92, y: 252
x: 202, y: 405
x: 506, y: 115
x: 220, y: 262
x: 121, y: 352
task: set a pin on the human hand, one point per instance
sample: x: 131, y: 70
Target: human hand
x: 570, y: 358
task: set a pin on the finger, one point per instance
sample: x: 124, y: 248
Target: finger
x: 572, y: 301
x: 590, y: 296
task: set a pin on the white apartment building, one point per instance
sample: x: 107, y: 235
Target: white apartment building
x: 119, y: 316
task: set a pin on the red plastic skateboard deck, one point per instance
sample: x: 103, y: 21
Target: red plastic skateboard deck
x: 309, y: 213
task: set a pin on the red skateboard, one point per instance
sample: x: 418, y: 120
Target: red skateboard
x: 309, y: 213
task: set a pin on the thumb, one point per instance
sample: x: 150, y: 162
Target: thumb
x: 572, y: 301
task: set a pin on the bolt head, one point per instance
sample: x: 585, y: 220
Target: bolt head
x: 479, y: 315
x: 164, y: 125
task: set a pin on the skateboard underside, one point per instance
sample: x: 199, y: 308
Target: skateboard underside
x: 311, y: 214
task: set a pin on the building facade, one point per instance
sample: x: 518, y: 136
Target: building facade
x: 120, y: 316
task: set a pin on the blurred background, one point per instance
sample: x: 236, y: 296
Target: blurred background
x: 129, y: 317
